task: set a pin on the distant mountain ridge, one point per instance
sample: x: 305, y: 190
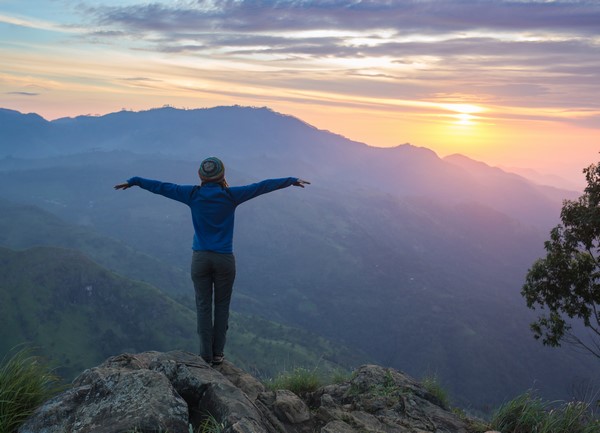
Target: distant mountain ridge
x: 547, y: 179
x: 288, y: 145
x: 413, y: 259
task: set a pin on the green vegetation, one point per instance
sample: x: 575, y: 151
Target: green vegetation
x: 208, y: 425
x: 530, y: 414
x: 49, y: 296
x: 300, y: 381
x: 340, y: 376
x: 432, y: 385
x: 25, y: 226
x: 565, y: 283
x: 387, y: 388
x: 79, y: 313
x: 25, y: 383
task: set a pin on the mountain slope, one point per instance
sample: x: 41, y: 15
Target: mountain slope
x: 25, y: 226
x: 78, y: 313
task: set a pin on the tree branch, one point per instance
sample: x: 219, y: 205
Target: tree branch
x: 575, y: 341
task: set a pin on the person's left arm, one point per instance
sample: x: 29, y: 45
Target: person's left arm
x: 245, y: 193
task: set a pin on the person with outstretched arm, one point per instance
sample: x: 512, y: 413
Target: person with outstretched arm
x: 213, y: 205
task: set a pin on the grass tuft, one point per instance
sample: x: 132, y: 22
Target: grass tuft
x: 530, y: 414
x: 25, y: 383
x: 210, y: 425
x: 433, y: 386
x: 299, y: 381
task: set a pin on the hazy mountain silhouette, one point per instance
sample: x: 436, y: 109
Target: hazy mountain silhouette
x: 415, y: 259
x: 262, y: 141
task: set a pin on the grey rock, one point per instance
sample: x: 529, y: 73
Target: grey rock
x: 289, y: 408
x: 107, y: 400
x: 337, y: 427
x: 152, y: 392
x: 148, y: 392
x: 384, y: 400
x: 244, y: 381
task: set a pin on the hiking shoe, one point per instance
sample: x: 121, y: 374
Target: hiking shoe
x: 218, y: 359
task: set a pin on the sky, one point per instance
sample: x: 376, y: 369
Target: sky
x: 510, y: 83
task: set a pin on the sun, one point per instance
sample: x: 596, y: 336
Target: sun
x: 464, y: 114
x: 464, y: 119
x: 461, y: 128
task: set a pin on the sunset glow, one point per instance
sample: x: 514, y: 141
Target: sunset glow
x: 509, y: 83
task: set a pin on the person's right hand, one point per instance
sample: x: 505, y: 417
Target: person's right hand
x: 123, y: 185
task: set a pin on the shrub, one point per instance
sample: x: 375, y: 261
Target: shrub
x: 25, y: 383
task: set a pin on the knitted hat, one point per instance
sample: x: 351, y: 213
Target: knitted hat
x: 211, y: 169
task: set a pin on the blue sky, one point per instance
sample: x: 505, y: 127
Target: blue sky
x: 507, y: 82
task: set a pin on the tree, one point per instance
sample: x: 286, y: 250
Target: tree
x: 566, y: 283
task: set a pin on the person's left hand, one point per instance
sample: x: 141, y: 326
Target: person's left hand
x: 301, y: 183
x: 123, y: 185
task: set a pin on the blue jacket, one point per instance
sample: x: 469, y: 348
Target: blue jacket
x: 212, y: 206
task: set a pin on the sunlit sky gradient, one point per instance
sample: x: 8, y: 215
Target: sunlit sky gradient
x: 511, y: 83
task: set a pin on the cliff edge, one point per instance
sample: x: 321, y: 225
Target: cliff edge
x: 177, y: 392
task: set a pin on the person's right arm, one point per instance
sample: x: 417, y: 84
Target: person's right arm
x: 173, y: 191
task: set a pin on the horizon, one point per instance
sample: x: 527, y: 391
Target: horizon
x: 547, y: 179
x: 508, y: 83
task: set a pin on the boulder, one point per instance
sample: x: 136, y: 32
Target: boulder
x: 106, y: 400
x: 379, y: 399
x: 287, y: 406
x: 149, y: 392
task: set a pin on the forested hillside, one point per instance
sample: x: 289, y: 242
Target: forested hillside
x: 77, y: 314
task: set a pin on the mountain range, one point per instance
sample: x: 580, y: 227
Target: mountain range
x: 413, y: 259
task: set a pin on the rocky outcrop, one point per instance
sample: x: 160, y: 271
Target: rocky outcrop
x: 378, y: 399
x: 177, y: 392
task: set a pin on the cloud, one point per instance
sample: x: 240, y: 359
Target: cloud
x: 36, y: 24
x: 325, y: 29
x: 22, y: 93
x: 431, y: 16
x: 504, y: 53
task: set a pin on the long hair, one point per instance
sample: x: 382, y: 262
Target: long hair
x: 221, y: 182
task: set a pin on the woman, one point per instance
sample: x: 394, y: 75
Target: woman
x: 213, y: 205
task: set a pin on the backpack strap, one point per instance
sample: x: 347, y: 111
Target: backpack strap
x: 230, y: 195
x: 193, y: 191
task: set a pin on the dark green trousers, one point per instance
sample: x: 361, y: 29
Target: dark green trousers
x: 213, y: 275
